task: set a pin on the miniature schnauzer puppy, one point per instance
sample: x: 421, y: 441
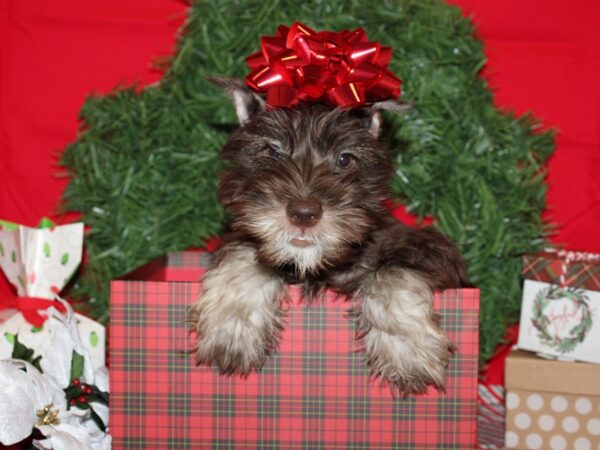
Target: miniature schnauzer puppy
x: 305, y: 189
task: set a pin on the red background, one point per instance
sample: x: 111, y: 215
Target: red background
x: 54, y: 54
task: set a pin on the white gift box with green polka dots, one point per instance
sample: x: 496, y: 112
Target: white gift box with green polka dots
x: 551, y: 404
x: 38, y: 262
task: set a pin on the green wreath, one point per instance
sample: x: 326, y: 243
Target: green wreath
x: 542, y: 322
x: 144, y: 172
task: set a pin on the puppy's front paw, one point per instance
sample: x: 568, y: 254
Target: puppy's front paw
x: 233, y: 345
x: 402, y: 340
x: 237, y: 316
x: 408, y: 363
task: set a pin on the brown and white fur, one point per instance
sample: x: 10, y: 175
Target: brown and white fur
x: 305, y: 189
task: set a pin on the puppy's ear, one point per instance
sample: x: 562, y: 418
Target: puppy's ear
x: 372, y: 118
x: 247, y: 102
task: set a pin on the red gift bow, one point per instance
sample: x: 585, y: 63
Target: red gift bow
x: 341, y: 69
x: 29, y: 306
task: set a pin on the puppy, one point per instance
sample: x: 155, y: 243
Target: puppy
x: 305, y: 190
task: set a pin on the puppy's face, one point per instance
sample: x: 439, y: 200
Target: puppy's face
x: 306, y: 183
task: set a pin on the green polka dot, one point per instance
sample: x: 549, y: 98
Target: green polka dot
x: 10, y: 337
x: 94, y: 339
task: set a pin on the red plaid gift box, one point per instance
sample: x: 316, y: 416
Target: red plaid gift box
x: 314, y: 392
x: 578, y: 269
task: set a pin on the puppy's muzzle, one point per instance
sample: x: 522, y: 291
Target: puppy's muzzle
x: 304, y: 213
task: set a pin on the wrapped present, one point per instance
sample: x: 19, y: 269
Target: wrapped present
x: 560, y: 314
x: 39, y: 262
x: 576, y: 269
x: 551, y: 404
x: 314, y: 392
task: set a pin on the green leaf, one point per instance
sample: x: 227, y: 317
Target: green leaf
x: 25, y: 353
x: 13, y: 256
x: 1, y: 249
x: 64, y: 259
x: 77, y: 362
x: 37, y: 329
x: 46, y: 249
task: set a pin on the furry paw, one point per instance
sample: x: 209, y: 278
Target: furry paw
x: 408, y: 363
x: 234, y: 345
x: 404, y: 344
x: 237, y: 317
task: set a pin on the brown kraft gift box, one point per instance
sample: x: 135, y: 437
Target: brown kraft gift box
x: 551, y: 404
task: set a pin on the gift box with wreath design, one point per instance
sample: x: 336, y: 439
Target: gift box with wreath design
x: 560, y: 314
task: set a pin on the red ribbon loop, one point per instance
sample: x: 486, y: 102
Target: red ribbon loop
x: 29, y: 306
x: 343, y: 69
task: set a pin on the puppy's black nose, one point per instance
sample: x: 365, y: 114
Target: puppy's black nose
x: 304, y: 213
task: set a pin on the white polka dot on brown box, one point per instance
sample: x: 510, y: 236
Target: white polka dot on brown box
x: 551, y: 404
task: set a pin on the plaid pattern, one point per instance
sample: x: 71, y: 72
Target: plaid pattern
x: 187, y: 265
x: 175, y: 266
x: 315, y: 392
x: 189, y: 259
x: 554, y: 268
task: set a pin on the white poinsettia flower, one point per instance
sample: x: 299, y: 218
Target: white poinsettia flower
x: 78, y: 432
x: 22, y: 390
x: 29, y: 399
x: 98, y: 438
x: 64, y: 339
x: 63, y: 437
x: 57, y: 364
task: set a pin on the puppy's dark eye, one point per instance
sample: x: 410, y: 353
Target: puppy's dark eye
x: 345, y: 160
x: 273, y: 151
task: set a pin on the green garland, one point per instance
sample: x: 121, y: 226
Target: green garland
x: 144, y: 172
